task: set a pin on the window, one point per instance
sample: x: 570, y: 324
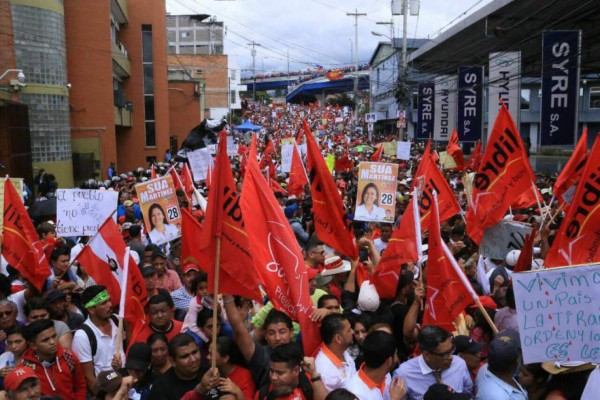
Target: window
x: 148, y: 85
x: 525, y: 98
x: 233, y: 74
x: 595, y: 97
x: 232, y: 94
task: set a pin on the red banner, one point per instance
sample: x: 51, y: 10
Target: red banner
x: 455, y: 151
x: 298, y: 177
x: 572, y: 170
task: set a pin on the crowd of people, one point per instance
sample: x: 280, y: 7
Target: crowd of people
x: 63, y: 341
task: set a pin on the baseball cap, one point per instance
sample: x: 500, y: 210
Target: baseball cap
x: 190, y: 267
x: 147, y: 271
x: 14, y: 378
x: 505, y: 348
x: 290, y: 210
x: 157, y: 254
x: 138, y: 357
x: 55, y: 295
x: 439, y: 391
x: 128, y: 203
x: 109, y: 381
x: 465, y: 344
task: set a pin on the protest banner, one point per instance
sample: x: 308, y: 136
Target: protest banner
x: 18, y: 184
x: 200, y: 162
x: 287, y: 151
x: 160, y: 208
x: 557, y: 311
x: 390, y: 148
x: 232, y: 148
x: 376, y: 194
x: 330, y: 161
x: 80, y: 212
x: 403, y: 150
x: 446, y: 160
x: 503, y: 237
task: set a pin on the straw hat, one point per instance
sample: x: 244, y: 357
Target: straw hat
x: 570, y: 367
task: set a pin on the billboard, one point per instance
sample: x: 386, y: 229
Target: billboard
x: 425, y: 111
x: 504, y: 85
x: 470, y: 103
x: 445, y: 108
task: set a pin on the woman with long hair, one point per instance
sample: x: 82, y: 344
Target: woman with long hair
x: 368, y: 209
x: 160, y: 229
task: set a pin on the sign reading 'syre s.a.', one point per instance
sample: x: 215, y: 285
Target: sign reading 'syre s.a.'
x: 560, y: 87
x: 425, y: 111
x: 470, y: 103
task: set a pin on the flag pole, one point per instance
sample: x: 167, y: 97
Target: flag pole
x: 537, y: 199
x: 122, y: 302
x: 92, y: 238
x: 213, y: 345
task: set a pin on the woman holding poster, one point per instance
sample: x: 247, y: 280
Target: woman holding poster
x: 369, y: 209
x: 161, y: 231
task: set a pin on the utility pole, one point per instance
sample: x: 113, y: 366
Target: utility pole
x: 356, y: 14
x: 253, y: 53
x: 404, y: 74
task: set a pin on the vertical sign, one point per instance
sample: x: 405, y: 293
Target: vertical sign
x: 470, y: 103
x: 425, y: 111
x: 504, y: 84
x: 160, y: 209
x: 376, y: 194
x: 445, y: 107
x: 560, y: 87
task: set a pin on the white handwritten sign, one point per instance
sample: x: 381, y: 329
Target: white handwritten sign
x: 80, y: 212
x: 287, y: 151
x: 403, y: 150
x: 503, y: 237
x: 200, y: 162
x: 559, y: 314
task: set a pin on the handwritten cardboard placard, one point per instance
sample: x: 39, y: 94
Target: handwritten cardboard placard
x: 558, y: 311
x: 80, y: 212
x: 403, y: 150
x: 200, y: 162
x: 502, y: 238
x: 287, y: 151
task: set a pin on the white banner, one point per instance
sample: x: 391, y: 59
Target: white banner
x: 557, y: 310
x: 445, y: 107
x: 503, y: 237
x: 403, y: 150
x: 80, y: 212
x: 287, y: 151
x: 504, y: 83
x: 200, y: 162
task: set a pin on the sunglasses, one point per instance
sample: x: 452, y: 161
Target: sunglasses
x: 5, y: 314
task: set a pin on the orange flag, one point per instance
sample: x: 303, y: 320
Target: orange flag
x: 455, y: 151
x: 277, y: 256
x: 377, y: 155
x: 577, y: 239
x: 402, y: 248
x: 191, y: 231
x: 332, y: 224
x: 428, y: 179
x: 447, y: 291
x: 298, y: 177
x: 503, y: 175
x: 475, y: 159
x: 21, y: 246
x: 527, y: 199
x: 564, y: 185
x: 224, y: 220
x: 526, y: 256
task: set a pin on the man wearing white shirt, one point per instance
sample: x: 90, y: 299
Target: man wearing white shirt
x: 333, y: 362
x: 381, y: 243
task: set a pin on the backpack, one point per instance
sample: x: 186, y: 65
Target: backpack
x: 303, y: 384
x: 92, y: 337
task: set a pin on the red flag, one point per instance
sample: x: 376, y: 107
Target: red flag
x: 191, y: 231
x: 402, y: 248
x: 377, y: 154
x: 224, y: 219
x: 572, y: 170
x: 526, y: 256
x: 577, y: 239
x: 527, y: 199
x: 269, y: 148
x: 103, y: 259
x: 187, y: 181
x: 276, y: 187
x: 331, y: 220
x: 428, y: 179
x: 21, y: 245
x: 475, y: 159
x: 277, y: 256
x: 298, y: 177
x: 152, y: 172
x: 504, y: 174
x: 455, y: 151
x: 343, y: 163
x: 447, y: 295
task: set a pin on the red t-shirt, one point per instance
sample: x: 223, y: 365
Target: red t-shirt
x: 147, y: 331
x: 295, y: 395
x: 243, y: 379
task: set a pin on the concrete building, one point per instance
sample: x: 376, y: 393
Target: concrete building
x: 194, y: 34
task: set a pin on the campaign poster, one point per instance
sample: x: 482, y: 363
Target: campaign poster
x: 160, y: 209
x: 376, y: 194
x: 80, y: 212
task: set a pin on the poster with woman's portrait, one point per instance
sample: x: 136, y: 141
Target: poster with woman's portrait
x: 376, y: 194
x: 160, y: 209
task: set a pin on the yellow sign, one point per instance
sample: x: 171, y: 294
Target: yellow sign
x: 330, y: 161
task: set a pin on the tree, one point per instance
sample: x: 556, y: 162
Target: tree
x: 342, y: 100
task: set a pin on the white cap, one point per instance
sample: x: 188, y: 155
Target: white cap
x: 512, y: 257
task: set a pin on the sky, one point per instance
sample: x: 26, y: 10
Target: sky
x: 316, y: 32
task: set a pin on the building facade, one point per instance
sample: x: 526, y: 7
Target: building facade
x: 194, y: 34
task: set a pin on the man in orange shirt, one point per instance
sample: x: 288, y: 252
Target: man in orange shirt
x: 160, y: 319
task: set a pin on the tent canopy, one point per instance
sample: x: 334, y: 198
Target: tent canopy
x: 248, y: 126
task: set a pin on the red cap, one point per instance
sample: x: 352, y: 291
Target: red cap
x: 14, y: 378
x: 190, y: 267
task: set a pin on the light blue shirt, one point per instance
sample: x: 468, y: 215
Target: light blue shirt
x: 418, y: 376
x: 490, y: 387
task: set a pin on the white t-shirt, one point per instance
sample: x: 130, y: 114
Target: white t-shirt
x: 376, y: 214
x: 380, y: 245
x: 171, y: 233
x: 106, y: 346
x: 333, y: 371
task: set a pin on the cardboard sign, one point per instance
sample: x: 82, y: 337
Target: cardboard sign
x: 446, y: 160
x: 287, y: 151
x: 80, y: 212
x: 200, y: 163
x: 376, y: 194
x: 390, y: 148
x: 160, y: 209
x: 557, y: 310
x: 330, y: 161
x: 502, y: 238
x: 403, y: 150
x: 18, y: 184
